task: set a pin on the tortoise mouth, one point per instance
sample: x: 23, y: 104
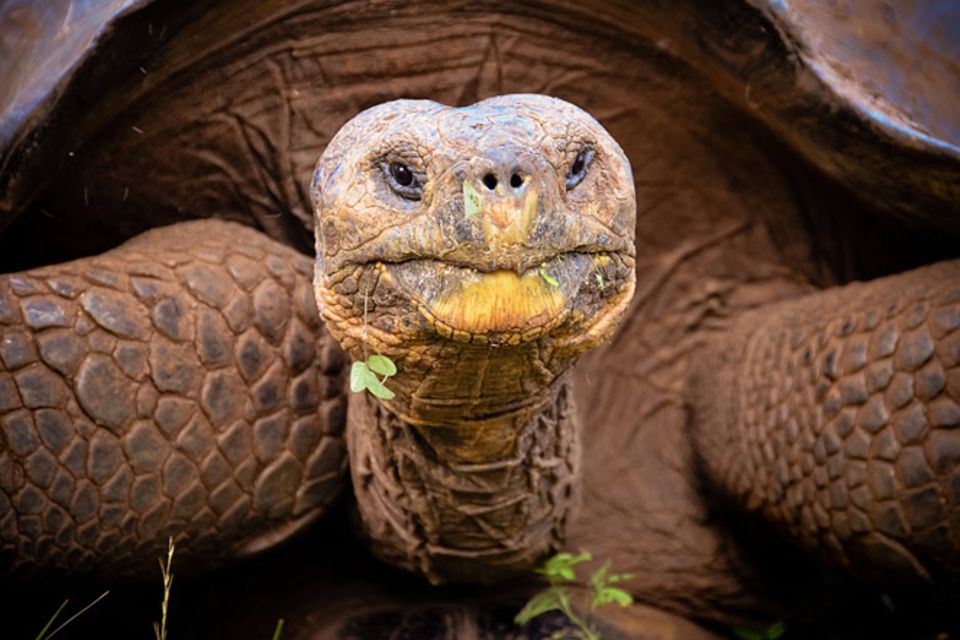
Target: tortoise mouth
x: 504, y: 306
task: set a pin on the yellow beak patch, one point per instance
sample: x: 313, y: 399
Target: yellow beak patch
x: 499, y: 301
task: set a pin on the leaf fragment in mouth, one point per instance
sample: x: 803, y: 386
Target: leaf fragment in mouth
x: 472, y: 200
x: 546, y: 276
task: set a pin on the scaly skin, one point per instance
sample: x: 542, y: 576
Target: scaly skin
x: 471, y: 471
x: 179, y: 385
x: 837, y: 417
x: 453, y: 515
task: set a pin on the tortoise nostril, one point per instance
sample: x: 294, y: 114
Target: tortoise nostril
x: 516, y: 181
x: 490, y: 181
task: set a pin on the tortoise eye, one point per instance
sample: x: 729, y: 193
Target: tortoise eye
x: 577, y: 165
x: 401, y: 173
x: 403, y: 181
x: 578, y: 170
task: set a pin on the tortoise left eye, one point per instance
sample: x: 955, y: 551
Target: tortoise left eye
x: 401, y: 173
x: 403, y: 181
x: 578, y: 170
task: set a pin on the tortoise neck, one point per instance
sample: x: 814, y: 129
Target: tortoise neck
x: 455, y: 388
x: 469, y: 502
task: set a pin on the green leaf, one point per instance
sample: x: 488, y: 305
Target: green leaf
x: 378, y: 389
x: 599, y: 578
x: 382, y: 365
x: 472, y: 200
x: 359, y: 375
x: 776, y: 630
x: 612, y: 594
x: 363, y: 379
x: 561, y: 565
x: 599, y: 278
x: 546, y: 276
x: 539, y: 604
x: 620, y: 577
x: 745, y: 633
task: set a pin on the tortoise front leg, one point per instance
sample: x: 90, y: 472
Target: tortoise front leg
x: 180, y: 385
x: 837, y: 416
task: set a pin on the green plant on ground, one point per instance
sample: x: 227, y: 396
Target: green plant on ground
x: 773, y: 632
x: 559, y: 572
x: 364, y: 373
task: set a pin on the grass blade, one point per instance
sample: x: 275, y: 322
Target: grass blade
x: 160, y: 630
x: 78, y: 614
x: 278, y: 630
x: 50, y: 622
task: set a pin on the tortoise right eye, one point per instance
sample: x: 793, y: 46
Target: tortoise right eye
x: 578, y: 170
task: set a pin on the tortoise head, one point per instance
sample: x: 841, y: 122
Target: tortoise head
x: 495, y: 227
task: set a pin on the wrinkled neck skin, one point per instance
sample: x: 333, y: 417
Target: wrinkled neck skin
x: 475, y: 497
x: 470, y: 472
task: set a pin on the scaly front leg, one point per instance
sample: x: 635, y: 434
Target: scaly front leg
x: 837, y: 416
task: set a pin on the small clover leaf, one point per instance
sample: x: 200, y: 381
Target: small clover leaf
x: 378, y: 389
x: 359, y: 376
x: 382, y: 365
x: 363, y: 376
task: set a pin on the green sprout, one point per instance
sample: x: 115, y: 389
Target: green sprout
x: 559, y: 571
x: 546, y: 276
x: 363, y: 373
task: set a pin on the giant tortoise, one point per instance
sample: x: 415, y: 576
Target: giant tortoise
x: 755, y: 268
